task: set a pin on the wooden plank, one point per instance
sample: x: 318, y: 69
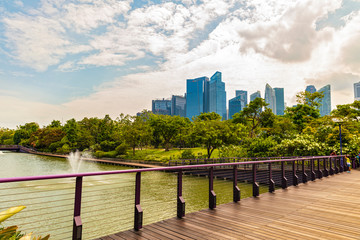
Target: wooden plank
x: 323, y: 209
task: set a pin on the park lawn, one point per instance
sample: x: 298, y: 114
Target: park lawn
x: 158, y: 154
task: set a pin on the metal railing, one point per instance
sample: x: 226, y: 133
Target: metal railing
x: 74, y: 203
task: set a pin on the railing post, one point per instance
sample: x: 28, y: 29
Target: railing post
x: 283, y: 177
x: 336, y: 165
x: 212, y: 195
x: 326, y: 172
x: 255, y: 184
x: 304, y: 175
x: 342, y: 167
x: 271, y: 181
x: 138, y: 218
x: 319, y: 172
x: 295, y: 177
x: 180, y: 199
x: 313, y: 175
x: 77, y: 224
x: 236, y: 190
x: 331, y: 172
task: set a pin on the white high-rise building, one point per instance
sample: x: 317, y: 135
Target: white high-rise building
x: 357, y: 91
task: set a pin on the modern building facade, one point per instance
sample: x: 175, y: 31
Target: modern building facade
x: 178, y: 106
x: 255, y: 95
x: 325, y: 107
x: 310, y: 89
x: 217, y: 95
x: 357, y: 91
x: 237, y: 103
x: 196, y: 96
x: 270, y: 98
x: 161, y: 106
x: 279, y: 101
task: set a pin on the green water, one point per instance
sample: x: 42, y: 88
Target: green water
x: 107, y: 201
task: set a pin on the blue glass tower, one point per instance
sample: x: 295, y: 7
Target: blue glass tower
x: 237, y: 103
x: 178, y: 104
x: 162, y: 107
x: 196, y: 96
x: 325, y: 107
x: 279, y: 100
x: 310, y: 89
x: 270, y: 98
x: 255, y: 95
x: 217, y: 96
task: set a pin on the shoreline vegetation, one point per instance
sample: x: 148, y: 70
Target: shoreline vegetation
x: 253, y: 132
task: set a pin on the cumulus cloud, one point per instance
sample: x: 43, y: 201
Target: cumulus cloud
x: 289, y: 37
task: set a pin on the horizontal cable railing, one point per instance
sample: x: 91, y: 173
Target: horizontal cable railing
x: 91, y: 205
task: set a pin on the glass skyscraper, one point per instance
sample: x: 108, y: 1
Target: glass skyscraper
x: 196, y: 96
x: 255, y: 95
x: 357, y: 91
x: 325, y: 107
x: 237, y: 103
x: 162, y: 106
x: 279, y: 100
x: 270, y: 98
x: 310, y: 89
x: 217, y: 96
x: 178, y: 105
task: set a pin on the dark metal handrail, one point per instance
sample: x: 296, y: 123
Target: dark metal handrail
x: 335, y: 163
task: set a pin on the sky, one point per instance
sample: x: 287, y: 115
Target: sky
x: 63, y: 59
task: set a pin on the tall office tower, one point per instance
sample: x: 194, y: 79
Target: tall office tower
x: 217, y: 96
x: 161, y: 106
x: 280, y: 102
x: 325, y: 107
x: 357, y: 91
x: 270, y: 98
x: 196, y: 96
x: 237, y: 103
x: 255, y: 95
x: 178, y: 104
x: 310, y: 89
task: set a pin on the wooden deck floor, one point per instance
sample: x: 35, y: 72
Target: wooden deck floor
x: 325, y: 209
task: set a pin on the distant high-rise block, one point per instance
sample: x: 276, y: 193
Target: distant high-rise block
x: 162, y: 106
x: 255, y: 95
x: 196, y: 96
x: 270, y: 98
x: 357, y: 91
x: 217, y: 95
x: 325, y: 107
x: 310, y: 89
x: 178, y: 106
x: 237, y: 103
x: 279, y: 100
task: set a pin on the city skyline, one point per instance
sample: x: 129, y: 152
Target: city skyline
x: 75, y: 59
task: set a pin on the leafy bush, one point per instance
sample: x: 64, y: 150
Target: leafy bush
x: 187, y: 154
x: 302, y: 145
x: 121, y: 149
x: 261, y: 147
x: 232, y: 151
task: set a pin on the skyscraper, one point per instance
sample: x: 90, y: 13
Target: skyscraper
x: 255, y: 95
x: 196, y: 96
x: 237, y: 103
x: 357, y: 91
x: 161, y: 106
x: 279, y: 99
x: 178, y: 104
x: 325, y: 107
x: 217, y: 96
x: 270, y: 98
x: 310, y: 89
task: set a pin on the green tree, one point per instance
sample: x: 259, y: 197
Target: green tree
x: 136, y: 131
x: 251, y: 115
x: 215, y: 133
x: 23, y: 133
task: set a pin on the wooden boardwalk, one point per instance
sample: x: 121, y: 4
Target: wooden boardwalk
x: 327, y: 208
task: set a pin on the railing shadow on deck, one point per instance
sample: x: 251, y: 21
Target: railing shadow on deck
x: 60, y: 200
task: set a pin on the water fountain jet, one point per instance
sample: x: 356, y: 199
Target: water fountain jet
x: 74, y: 159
